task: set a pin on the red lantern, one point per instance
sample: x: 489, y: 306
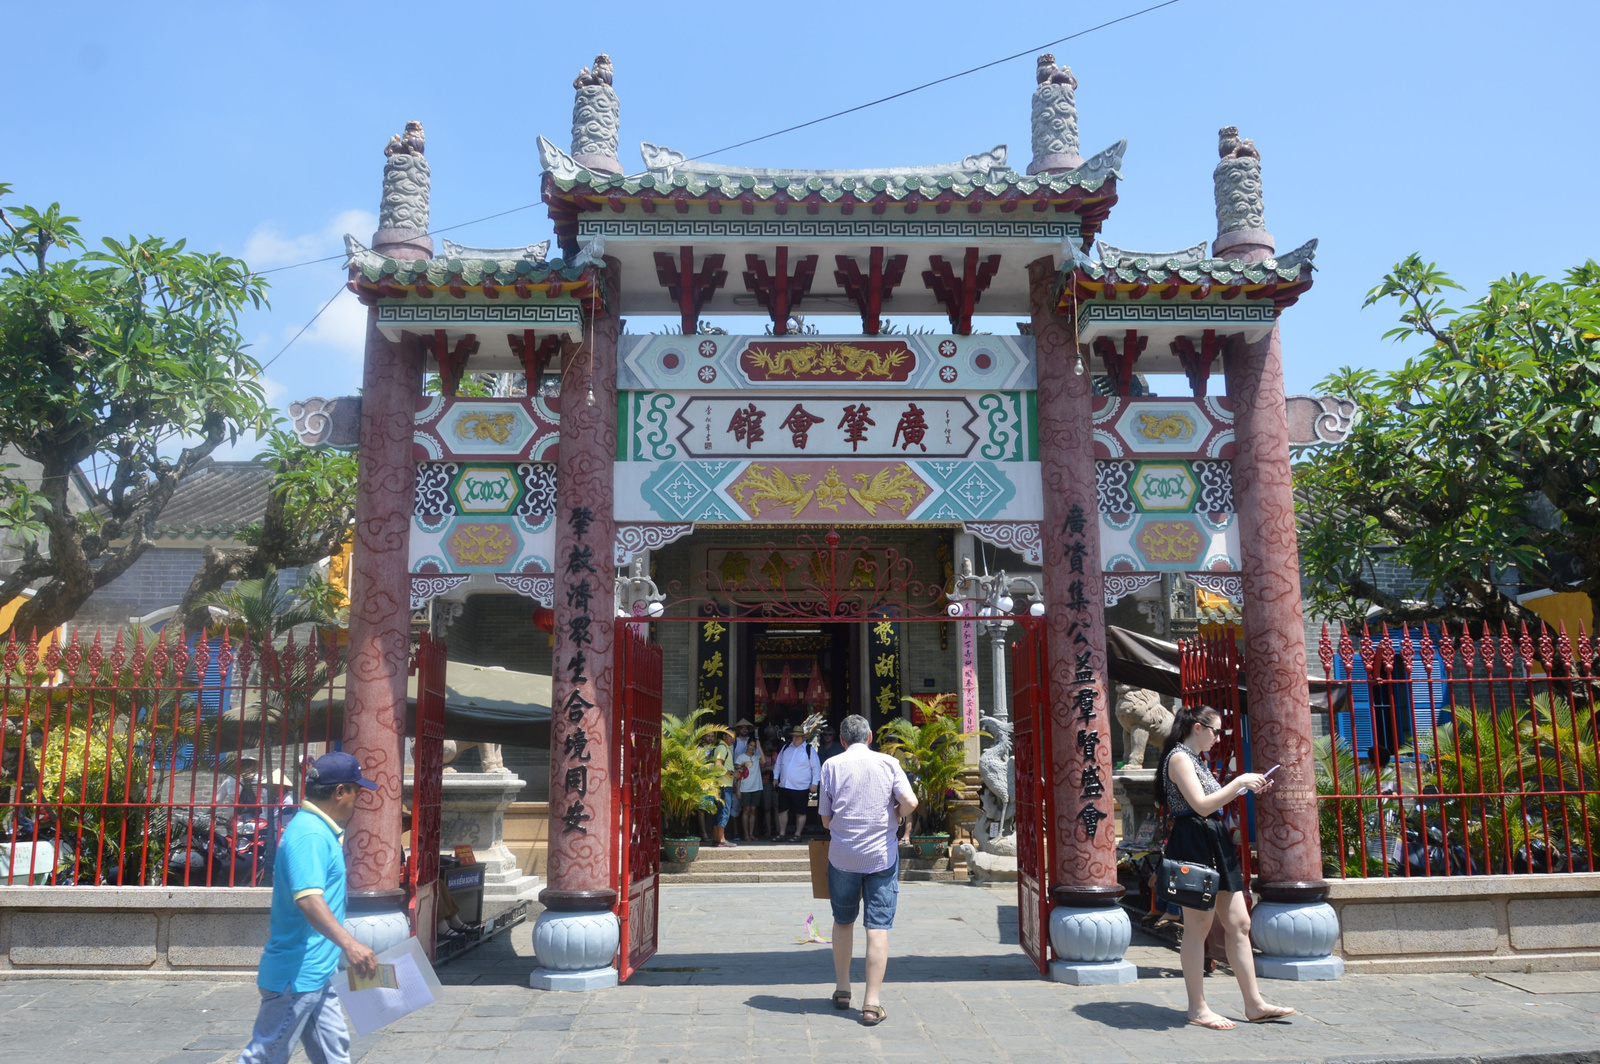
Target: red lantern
x: 817, y: 694
x: 762, y: 697
x: 544, y: 619
x: 787, y: 695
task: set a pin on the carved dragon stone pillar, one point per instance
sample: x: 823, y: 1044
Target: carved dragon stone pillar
x: 1088, y: 929
x: 380, y: 632
x: 577, y: 934
x: 1293, y: 924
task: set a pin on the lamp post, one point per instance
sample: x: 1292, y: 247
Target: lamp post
x: 637, y: 594
x: 994, y: 600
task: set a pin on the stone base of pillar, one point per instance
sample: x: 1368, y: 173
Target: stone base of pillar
x: 1300, y: 969
x: 378, y: 920
x: 575, y: 950
x: 472, y: 810
x: 1296, y: 940
x: 1109, y: 973
x: 1090, y: 944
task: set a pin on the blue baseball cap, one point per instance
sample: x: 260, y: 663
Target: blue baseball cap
x: 336, y: 768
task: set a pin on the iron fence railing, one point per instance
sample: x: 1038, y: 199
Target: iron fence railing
x: 172, y: 758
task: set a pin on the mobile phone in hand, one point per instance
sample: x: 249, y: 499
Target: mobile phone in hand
x: 1270, y: 771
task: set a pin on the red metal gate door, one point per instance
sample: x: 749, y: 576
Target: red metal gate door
x: 1030, y: 739
x: 427, y: 762
x: 636, y: 794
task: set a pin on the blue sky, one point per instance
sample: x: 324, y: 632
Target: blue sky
x: 1461, y: 130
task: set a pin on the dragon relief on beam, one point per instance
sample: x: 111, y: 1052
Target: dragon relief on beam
x: 829, y: 361
x: 496, y: 427
x: 895, y: 486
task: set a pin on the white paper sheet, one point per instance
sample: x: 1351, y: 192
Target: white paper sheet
x: 372, y: 1010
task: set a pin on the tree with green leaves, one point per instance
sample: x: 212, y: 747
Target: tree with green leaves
x: 1475, y: 465
x: 122, y: 369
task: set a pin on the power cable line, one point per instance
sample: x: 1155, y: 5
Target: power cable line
x: 791, y: 129
x: 937, y: 81
x: 303, y: 328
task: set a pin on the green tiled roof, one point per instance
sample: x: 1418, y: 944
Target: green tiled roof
x: 1189, y: 266
x: 456, y: 270
x: 984, y: 174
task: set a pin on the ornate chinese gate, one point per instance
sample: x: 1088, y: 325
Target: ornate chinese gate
x: 1030, y: 737
x: 636, y: 791
x: 427, y: 758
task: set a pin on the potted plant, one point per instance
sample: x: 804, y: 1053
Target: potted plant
x: 688, y: 782
x: 933, y: 754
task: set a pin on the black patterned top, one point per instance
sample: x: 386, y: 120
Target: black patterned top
x: 1208, y: 782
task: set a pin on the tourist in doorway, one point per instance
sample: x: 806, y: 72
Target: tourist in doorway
x: 1196, y: 800
x: 863, y: 798
x: 307, y: 935
x: 747, y: 776
x: 722, y: 757
x: 769, y: 789
x: 830, y: 745
x: 797, y: 773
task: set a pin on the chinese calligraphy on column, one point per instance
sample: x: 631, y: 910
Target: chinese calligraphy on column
x: 580, y: 595
x: 1091, y: 787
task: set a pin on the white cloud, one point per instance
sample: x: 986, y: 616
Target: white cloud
x: 270, y: 246
x: 342, y: 326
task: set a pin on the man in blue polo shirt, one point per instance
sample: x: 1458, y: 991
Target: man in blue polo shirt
x: 308, y: 935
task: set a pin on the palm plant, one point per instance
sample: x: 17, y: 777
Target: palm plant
x: 688, y: 778
x: 933, y: 755
x: 1344, y: 823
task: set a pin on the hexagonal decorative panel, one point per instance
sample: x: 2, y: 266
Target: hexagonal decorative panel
x: 486, y: 489
x: 1164, y: 487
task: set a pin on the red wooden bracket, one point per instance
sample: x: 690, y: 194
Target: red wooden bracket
x: 535, y: 354
x: 1197, y: 363
x: 779, y: 292
x: 871, y: 291
x: 691, y: 295
x: 452, y: 363
x: 960, y: 296
x: 1119, y: 365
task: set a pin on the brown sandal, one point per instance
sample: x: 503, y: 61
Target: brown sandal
x: 841, y: 999
x: 872, y: 1015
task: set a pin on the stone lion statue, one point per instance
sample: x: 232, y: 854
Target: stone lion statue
x: 1143, y: 717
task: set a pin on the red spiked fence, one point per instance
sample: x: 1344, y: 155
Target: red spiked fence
x: 1457, y: 754
x: 1440, y: 752
x: 174, y: 761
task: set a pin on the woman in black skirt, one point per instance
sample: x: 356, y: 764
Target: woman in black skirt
x: 1196, y: 799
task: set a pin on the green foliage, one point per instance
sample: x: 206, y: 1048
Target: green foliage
x: 933, y: 754
x: 688, y: 778
x: 1337, y: 773
x: 110, y: 361
x: 261, y: 609
x: 1479, y: 455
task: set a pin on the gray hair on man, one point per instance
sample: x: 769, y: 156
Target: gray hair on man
x: 855, y: 729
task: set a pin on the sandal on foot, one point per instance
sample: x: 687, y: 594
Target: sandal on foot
x: 1279, y: 1012
x: 841, y: 999
x: 872, y: 1015
x: 1218, y: 1023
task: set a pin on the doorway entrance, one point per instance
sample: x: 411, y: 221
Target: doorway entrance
x: 636, y: 779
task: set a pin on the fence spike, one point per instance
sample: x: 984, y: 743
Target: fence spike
x: 1564, y: 647
x: 1585, y: 648
x: 1508, y: 649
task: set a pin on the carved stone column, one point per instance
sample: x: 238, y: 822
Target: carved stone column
x: 577, y: 934
x: 1088, y: 929
x: 380, y: 636
x: 1055, y: 119
x: 403, y: 209
x: 596, y: 120
x: 1293, y: 924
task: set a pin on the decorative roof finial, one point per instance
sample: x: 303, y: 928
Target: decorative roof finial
x: 403, y: 210
x: 596, y: 119
x: 1055, y: 118
x: 1241, y: 226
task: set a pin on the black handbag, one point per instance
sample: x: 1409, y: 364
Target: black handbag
x: 1190, y: 884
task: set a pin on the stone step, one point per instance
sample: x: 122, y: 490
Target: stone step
x: 757, y: 852
x: 704, y: 878
x: 753, y: 864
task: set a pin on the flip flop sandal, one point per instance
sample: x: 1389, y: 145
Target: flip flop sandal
x: 872, y: 1015
x: 1270, y: 1017
x: 841, y: 999
x: 1221, y: 1023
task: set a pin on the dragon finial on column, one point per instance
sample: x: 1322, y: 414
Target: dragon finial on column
x: 403, y: 209
x: 1238, y: 185
x: 1055, y: 118
x: 596, y: 119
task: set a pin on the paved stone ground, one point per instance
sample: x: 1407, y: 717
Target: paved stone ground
x: 732, y: 984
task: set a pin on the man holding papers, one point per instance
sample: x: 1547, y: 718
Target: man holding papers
x: 308, y: 935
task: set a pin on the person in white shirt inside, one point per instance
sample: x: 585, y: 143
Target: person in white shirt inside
x: 796, y: 774
x: 863, y: 798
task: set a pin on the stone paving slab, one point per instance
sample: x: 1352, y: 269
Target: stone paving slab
x: 732, y: 983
